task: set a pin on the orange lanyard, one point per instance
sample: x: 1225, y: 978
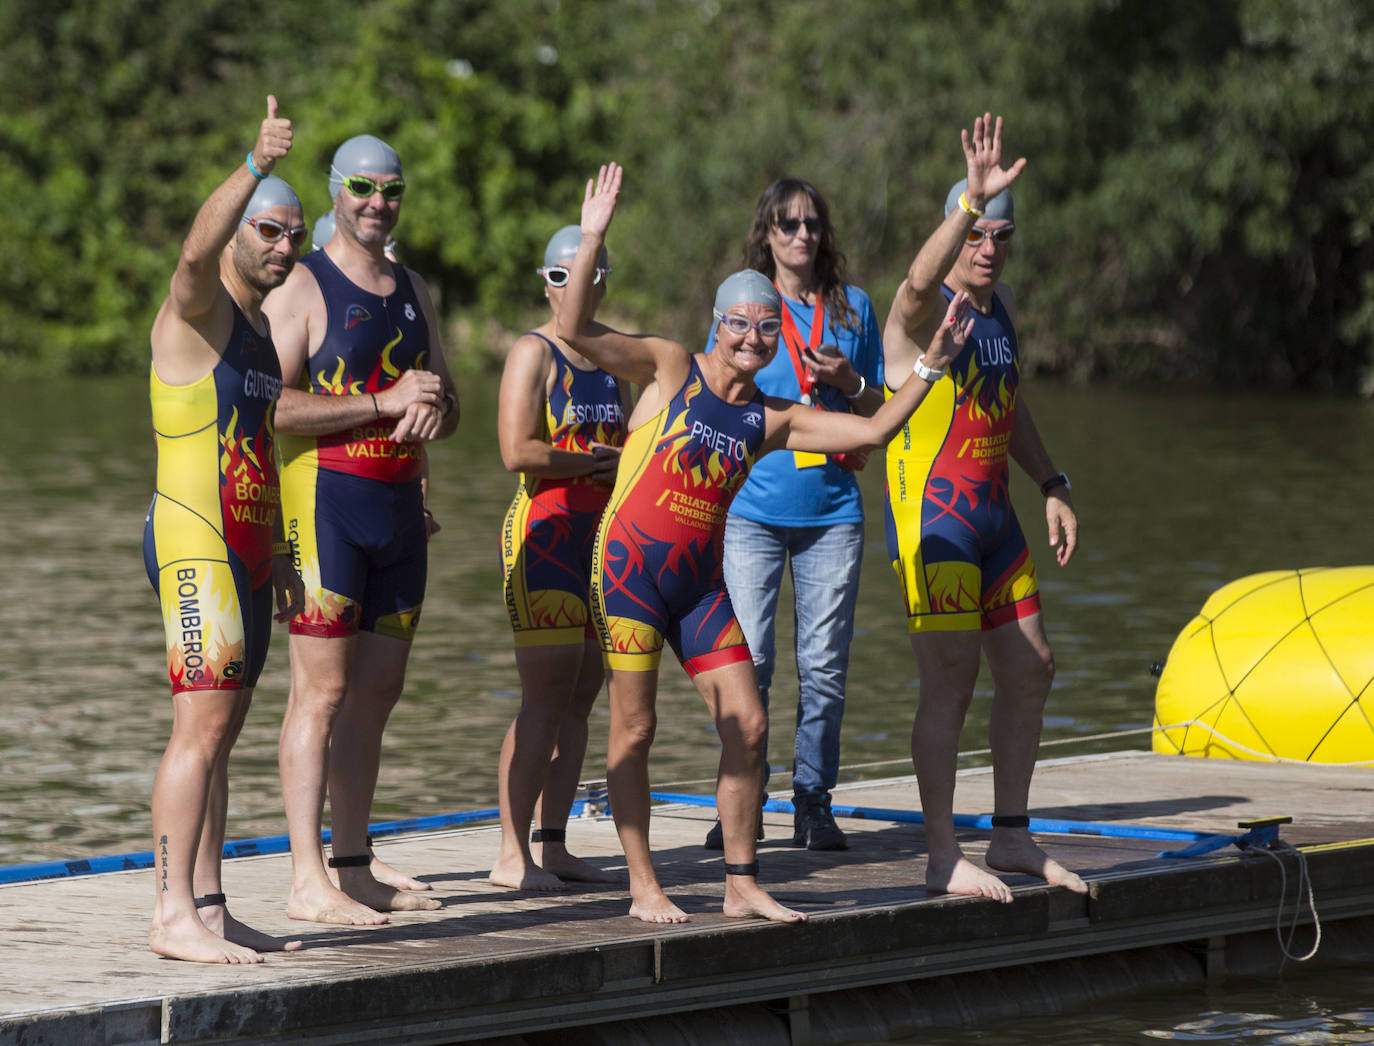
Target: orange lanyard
x: 792, y: 339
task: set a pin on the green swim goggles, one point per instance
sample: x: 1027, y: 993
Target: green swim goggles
x: 362, y: 187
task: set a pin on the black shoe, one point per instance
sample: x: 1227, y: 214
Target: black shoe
x: 715, y: 838
x: 814, y: 825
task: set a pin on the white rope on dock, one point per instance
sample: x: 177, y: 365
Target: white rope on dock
x: 1285, y: 945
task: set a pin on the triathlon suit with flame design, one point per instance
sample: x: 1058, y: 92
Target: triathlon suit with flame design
x: 546, y: 542
x: 352, y: 498
x: 952, y: 536
x: 207, y: 541
x: 657, y: 569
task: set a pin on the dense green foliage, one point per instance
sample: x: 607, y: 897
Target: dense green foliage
x: 1190, y: 212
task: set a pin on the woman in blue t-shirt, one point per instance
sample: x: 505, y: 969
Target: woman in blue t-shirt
x: 806, y: 508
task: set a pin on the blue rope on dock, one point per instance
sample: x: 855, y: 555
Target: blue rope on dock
x: 1203, y: 842
x: 270, y: 844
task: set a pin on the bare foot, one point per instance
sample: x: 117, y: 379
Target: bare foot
x: 574, y: 869
x: 1013, y: 850
x: 525, y: 875
x: 744, y: 897
x: 188, y: 939
x: 217, y: 920
x: 359, y: 885
x: 326, y: 904
x: 389, y: 876
x: 964, y: 878
x: 656, y: 908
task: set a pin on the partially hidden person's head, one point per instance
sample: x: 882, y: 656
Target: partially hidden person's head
x: 271, y: 231
x: 323, y: 231
x: 748, y: 313
x: 367, y: 183
x: 987, y: 245
x: 791, y: 228
x: 558, y: 257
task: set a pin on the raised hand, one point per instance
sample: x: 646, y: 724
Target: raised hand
x: 274, y: 139
x: 953, y: 333
x: 983, y: 152
x: 598, y: 204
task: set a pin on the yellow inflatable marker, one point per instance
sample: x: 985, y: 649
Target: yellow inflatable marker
x: 1277, y: 665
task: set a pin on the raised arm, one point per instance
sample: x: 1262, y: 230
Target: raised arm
x: 195, y: 283
x: 641, y: 359
x: 918, y: 302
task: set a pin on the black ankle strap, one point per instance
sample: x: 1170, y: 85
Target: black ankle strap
x: 549, y: 835
x: 752, y: 868
x: 210, y: 900
x: 351, y: 861
x: 1010, y: 821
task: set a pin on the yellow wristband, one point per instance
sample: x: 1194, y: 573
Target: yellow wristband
x: 968, y: 208
x: 283, y: 548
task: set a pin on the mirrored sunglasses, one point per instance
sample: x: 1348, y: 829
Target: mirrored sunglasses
x: 363, y: 187
x: 557, y: 275
x: 273, y: 231
x: 976, y: 235
x: 768, y: 326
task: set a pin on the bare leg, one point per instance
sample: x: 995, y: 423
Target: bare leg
x: 564, y: 772
x: 319, y: 672
x: 204, y: 726
x: 355, y: 756
x: 545, y: 674
x: 731, y: 693
x: 1023, y: 669
x: 948, y: 663
x: 207, y: 880
x: 633, y: 720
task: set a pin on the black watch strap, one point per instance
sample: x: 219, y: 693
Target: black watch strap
x: 1057, y: 480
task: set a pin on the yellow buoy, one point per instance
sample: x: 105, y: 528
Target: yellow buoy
x: 1278, y: 665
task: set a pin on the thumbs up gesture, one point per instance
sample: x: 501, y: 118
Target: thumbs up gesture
x: 274, y: 139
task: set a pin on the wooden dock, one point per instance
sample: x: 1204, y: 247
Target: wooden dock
x: 879, y: 957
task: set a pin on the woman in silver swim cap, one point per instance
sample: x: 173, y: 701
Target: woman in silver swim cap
x: 697, y: 429
x: 561, y: 422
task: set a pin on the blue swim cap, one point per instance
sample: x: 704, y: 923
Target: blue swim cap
x: 271, y: 192
x: 747, y: 287
x: 324, y: 230
x: 366, y: 152
x: 563, y: 244
x: 998, y: 209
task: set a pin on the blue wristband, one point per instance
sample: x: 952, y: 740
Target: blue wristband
x: 256, y: 173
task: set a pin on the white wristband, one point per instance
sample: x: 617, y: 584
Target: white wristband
x: 863, y: 387
x: 925, y: 373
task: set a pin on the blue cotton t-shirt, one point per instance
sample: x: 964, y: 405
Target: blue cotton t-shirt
x: 777, y: 491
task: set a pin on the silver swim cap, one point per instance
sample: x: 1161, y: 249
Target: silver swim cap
x: 563, y: 246
x: 366, y: 152
x: 747, y: 287
x: 271, y: 192
x: 998, y: 209
x: 324, y: 230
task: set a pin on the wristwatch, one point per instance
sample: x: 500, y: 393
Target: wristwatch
x: 925, y: 373
x: 1057, y: 480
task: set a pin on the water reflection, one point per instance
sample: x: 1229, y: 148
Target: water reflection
x: 1178, y: 495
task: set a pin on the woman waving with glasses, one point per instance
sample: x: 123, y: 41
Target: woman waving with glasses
x: 697, y: 429
x: 561, y: 422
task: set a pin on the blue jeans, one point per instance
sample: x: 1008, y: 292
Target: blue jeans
x: 825, y: 580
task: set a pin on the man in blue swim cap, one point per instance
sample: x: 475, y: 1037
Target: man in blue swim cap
x: 213, y: 539
x: 367, y: 388
x: 967, y: 576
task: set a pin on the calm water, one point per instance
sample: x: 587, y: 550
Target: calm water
x: 1177, y: 495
